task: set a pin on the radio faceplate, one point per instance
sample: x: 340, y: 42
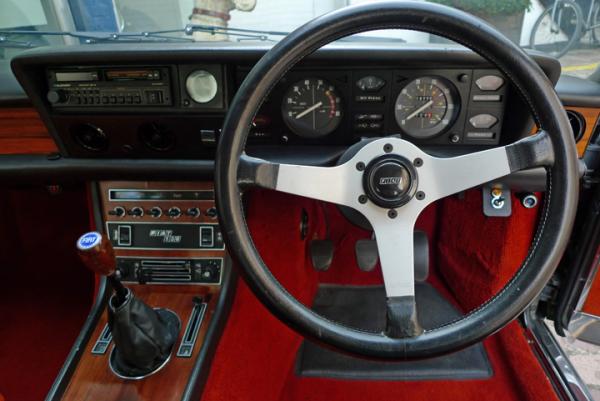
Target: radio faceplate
x: 117, y: 87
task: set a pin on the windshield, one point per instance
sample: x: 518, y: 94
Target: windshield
x: 566, y: 29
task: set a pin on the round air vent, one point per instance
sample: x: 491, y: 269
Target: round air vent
x: 577, y: 124
x: 156, y: 136
x: 90, y: 137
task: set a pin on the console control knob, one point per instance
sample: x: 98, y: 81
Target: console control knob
x: 211, y: 212
x: 174, y: 212
x: 136, y: 211
x: 118, y: 211
x: 193, y: 212
x: 57, y: 96
x: 155, y: 212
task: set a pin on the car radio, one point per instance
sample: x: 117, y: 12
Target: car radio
x: 112, y: 87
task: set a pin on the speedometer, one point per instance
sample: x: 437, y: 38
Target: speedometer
x: 426, y: 107
x: 312, y: 108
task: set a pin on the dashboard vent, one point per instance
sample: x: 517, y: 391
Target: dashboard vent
x: 577, y: 124
x: 176, y: 271
x: 90, y: 137
x: 156, y: 137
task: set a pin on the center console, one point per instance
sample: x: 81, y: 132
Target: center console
x: 169, y: 252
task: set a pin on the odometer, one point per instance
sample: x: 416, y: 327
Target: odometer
x: 312, y: 108
x: 426, y: 107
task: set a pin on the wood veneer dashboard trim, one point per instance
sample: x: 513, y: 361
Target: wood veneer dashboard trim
x: 591, y: 116
x: 22, y: 131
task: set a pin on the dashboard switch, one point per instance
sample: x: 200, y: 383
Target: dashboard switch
x: 174, y: 212
x: 118, y: 211
x: 211, y: 212
x: 193, y: 212
x: 136, y: 211
x: 155, y: 212
x: 207, y: 239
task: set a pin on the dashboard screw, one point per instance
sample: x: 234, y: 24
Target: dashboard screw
x: 360, y: 166
x: 392, y: 213
x: 418, y: 162
x: 420, y: 195
x: 387, y: 148
x: 362, y: 199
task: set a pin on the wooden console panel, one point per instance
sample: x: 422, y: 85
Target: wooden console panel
x: 93, y: 378
x: 23, y: 132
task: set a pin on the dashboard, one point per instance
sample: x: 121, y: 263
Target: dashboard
x: 170, y: 102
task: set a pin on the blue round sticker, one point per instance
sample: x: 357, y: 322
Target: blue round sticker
x: 89, y: 240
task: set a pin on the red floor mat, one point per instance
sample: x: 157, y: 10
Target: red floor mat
x: 45, y: 292
x: 255, y: 357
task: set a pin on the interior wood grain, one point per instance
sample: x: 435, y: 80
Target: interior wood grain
x: 93, y: 379
x: 591, y: 117
x: 23, y: 132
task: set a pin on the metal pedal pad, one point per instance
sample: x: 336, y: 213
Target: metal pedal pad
x: 366, y: 254
x: 321, y: 253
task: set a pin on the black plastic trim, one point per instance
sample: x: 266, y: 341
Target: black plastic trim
x: 44, y: 169
x: 201, y: 369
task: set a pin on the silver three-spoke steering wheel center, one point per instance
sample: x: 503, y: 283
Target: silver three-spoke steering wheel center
x: 390, y: 181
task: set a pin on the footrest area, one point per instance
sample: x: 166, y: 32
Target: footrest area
x: 364, y: 308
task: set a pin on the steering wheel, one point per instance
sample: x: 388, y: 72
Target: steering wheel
x: 390, y: 181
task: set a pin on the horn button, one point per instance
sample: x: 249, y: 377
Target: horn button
x: 390, y: 181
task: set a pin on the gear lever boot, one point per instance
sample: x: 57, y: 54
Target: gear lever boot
x: 143, y: 336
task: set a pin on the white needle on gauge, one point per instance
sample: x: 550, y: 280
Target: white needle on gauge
x: 420, y: 109
x: 311, y: 108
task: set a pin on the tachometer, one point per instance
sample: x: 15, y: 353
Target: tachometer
x: 312, y: 108
x: 426, y: 107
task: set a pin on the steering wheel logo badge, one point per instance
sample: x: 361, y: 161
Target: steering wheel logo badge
x: 390, y: 181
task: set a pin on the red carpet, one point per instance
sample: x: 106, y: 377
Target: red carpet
x: 255, y: 357
x: 45, y: 292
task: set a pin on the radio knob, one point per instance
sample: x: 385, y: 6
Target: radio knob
x: 174, y: 212
x: 155, y: 212
x: 118, y: 211
x: 136, y: 212
x: 57, y: 96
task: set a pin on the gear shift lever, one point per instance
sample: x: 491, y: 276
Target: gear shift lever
x: 144, y: 337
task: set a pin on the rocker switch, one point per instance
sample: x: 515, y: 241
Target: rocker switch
x: 207, y: 237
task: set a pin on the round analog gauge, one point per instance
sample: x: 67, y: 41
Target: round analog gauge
x: 312, y: 108
x: 201, y: 86
x: 426, y: 107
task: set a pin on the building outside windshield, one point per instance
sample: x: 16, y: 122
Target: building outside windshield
x: 567, y: 29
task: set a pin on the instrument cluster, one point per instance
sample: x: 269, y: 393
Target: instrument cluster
x: 445, y: 106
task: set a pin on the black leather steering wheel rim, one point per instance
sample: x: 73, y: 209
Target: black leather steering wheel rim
x: 557, y: 217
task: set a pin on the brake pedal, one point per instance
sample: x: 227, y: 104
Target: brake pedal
x: 366, y: 254
x: 321, y: 253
